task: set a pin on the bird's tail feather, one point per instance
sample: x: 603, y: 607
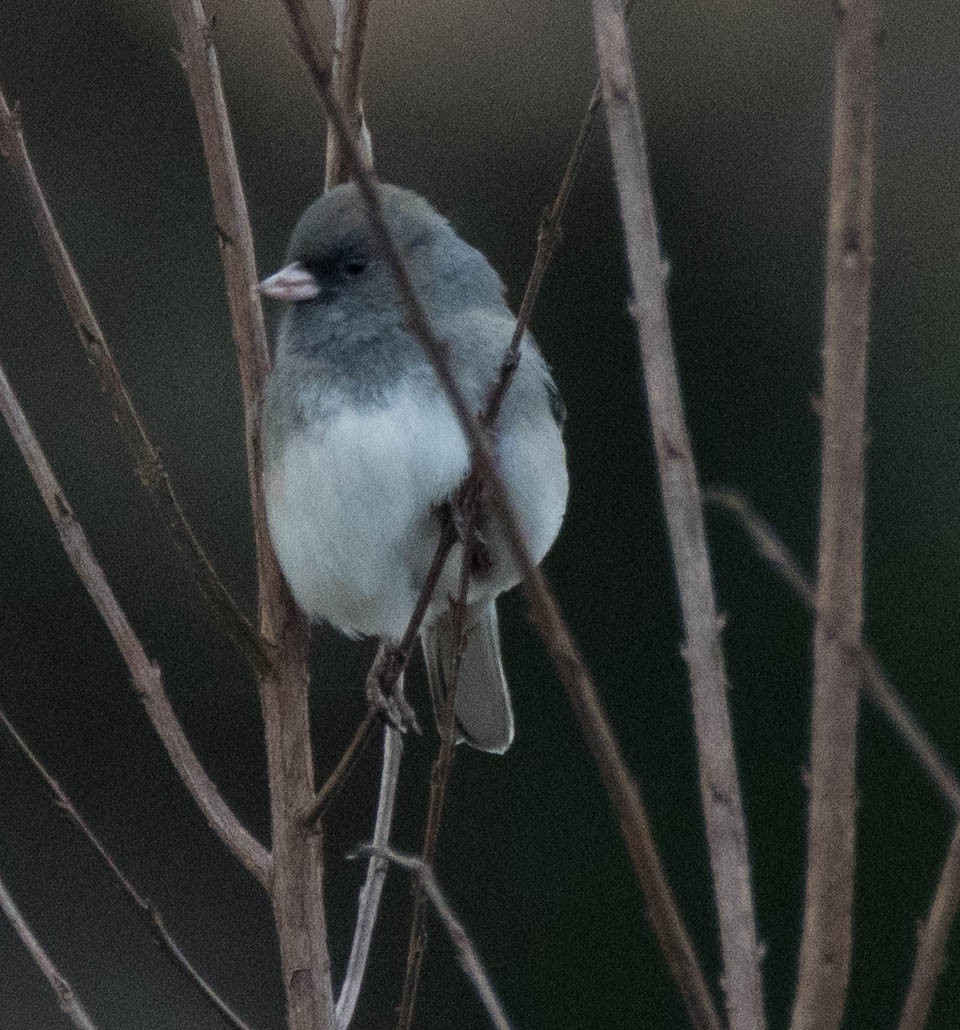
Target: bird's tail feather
x: 481, y: 706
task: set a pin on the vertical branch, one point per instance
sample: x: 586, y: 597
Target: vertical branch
x: 442, y: 768
x: 344, y: 78
x: 350, y: 18
x: 69, y: 1002
x: 824, y: 966
x: 297, y: 886
x: 199, y: 60
x: 719, y: 787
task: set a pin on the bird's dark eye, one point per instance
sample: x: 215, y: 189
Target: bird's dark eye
x: 354, y: 265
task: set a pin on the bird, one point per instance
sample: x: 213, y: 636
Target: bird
x: 363, y: 456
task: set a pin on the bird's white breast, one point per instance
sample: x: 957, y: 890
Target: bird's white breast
x: 349, y: 502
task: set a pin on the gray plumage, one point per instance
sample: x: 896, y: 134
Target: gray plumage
x: 361, y: 448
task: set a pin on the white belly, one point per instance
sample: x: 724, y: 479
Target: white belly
x: 350, y: 506
x: 348, y: 500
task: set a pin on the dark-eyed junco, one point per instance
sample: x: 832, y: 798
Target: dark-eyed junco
x: 362, y: 449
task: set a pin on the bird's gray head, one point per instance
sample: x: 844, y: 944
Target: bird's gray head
x: 334, y: 257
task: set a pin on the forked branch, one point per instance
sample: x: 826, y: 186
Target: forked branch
x: 466, y: 950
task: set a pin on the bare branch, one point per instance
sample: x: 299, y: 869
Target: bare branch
x: 765, y: 540
x: 372, y: 889
x: 466, y: 950
x: 350, y: 37
x: 719, y: 785
x: 297, y: 884
x: 199, y: 59
x: 149, y: 468
x: 549, y: 236
x: 442, y: 768
x: 143, y: 907
x: 873, y: 681
x: 67, y: 997
x: 932, y: 942
x: 147, y: 681
x: 620, y: 786
x: 824, y: 964
x: 350, y: 34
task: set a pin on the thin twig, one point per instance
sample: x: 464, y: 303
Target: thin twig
x: 443, y: 764
x: 372, y: 889
x: 874, y: 683
x: 350, y: 35
x: 466, y: 950
x: 341, y: 773
x: 581, y: 692
x: 143, y: 906
x: 199, y: 60
x: 297, y: 884
x: 146, y: 677
x: 932, y: 941
x: 66, y: 995
x: 549, y: 236
x: 826, y: 942
x: 719, y: 784
x: 149, y: 468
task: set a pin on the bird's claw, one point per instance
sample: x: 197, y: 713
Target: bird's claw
x: 385, y: 692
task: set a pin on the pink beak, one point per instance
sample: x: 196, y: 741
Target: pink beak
x: 291, y: 283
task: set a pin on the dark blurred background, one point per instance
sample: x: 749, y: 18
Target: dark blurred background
x: 476, y: 105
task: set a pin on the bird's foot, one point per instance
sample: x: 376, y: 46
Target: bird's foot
x: 385, y: 690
